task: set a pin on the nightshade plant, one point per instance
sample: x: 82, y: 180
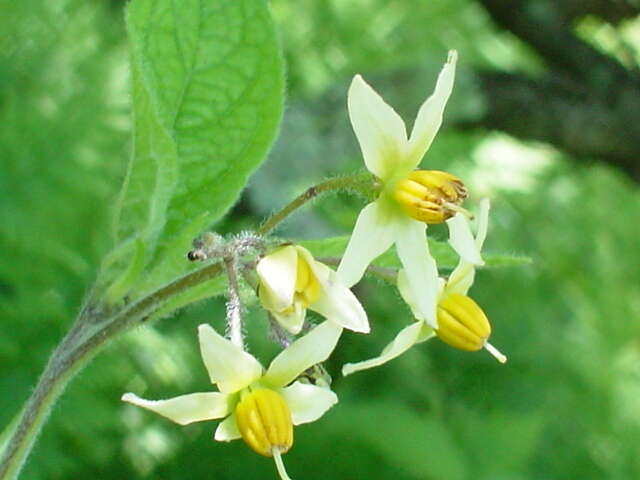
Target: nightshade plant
x: 207, y: 99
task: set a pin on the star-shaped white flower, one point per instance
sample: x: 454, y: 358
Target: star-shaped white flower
x: 291, y: 281
x: 429, y: 195
x: 458, y: 284
x: 238, y: 375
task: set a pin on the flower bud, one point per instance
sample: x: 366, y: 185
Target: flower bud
x: 430, y: 196
x: 463, y: 325
x: 264, y: 420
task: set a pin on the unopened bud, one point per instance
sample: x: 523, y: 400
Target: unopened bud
x: 264, y: 420
x: 430, y: 196
x: 463, y: 325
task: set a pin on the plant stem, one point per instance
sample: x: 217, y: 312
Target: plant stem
x: 234, y: 306
x: 90, y: 333
x: 95, y: 328
x: 361, y: 182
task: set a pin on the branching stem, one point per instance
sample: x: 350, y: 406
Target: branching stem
x: 95, y: 327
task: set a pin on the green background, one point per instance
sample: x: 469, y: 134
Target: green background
x: 565, y: 406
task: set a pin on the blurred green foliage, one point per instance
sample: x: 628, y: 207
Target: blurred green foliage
x: 564, y: 406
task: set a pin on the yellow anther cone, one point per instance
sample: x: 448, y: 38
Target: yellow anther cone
x: 463, y: 325
x: 430, y: 196
x: 264, y: 421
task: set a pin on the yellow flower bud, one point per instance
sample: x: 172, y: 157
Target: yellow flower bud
x: 430, y: 196
x: 264, y: 420
x: 463, y: 325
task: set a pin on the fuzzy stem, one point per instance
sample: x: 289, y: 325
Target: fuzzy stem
x: 89, y: 334
x: 234, y: 306
x: 95, y: 328
x: 361, y: 182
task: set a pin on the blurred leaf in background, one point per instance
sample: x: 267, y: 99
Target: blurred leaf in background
x: 566, y: 403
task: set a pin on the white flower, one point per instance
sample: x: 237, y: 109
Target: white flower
x: 291, y: 281
x: 453, y: 305
x: 409, y: 199
x: 244, y: 387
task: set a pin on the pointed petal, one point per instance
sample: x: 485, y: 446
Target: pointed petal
x: 429, y: 116
x: 337, y: 303
x: 230, y: 367
x: 461, y: 278
x: 463, y: 275
x: 277, y: 274
x: 407, y: 338
x: 308, y: 402
x: 421, y: 269
x: 379, y: 129
x: 372, y: 236
x: 462, y: 241
x: 185, y: 409
x: 407, y: 294
x: 312, y: 348
x: 227, y: 430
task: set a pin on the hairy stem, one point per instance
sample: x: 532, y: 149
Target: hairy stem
x: 361, y: 182
x: 95, y: 327
x: 234, y: 306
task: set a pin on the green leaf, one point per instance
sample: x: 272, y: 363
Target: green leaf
x: 445, y: 256
x: 123, y: 283
x: 208, y: 88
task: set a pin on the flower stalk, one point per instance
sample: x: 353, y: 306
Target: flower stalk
x: 234, y: 305
x: 96, y: 326
x: 362, y: 183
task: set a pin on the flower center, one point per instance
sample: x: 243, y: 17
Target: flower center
x: 430, y: 196
x: 264, y: 420
x: 463, y: 325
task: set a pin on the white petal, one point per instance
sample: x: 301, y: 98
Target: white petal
x: 462, y: 241
x: 372, y: 235
x: 336, y: 302
x: 293, y: 321
x: 407, y: 294
x: 407, y: 338
x: 461, y: 278
x: 312, y: 348
x: 429, y: 116
x: 463, y: 275
x: 308, y: 402
x: 277, y: 274
x: 379, y: 129
x: 230, y: 367
x: 227, y: 430
x: 421, y: 269
x: 185, y: 409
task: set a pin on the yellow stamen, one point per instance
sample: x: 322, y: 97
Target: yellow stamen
x: 463, y: 325
x: 264, y: 421
x: 430, y: 196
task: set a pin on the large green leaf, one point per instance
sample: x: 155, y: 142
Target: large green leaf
x: 208, y: 93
